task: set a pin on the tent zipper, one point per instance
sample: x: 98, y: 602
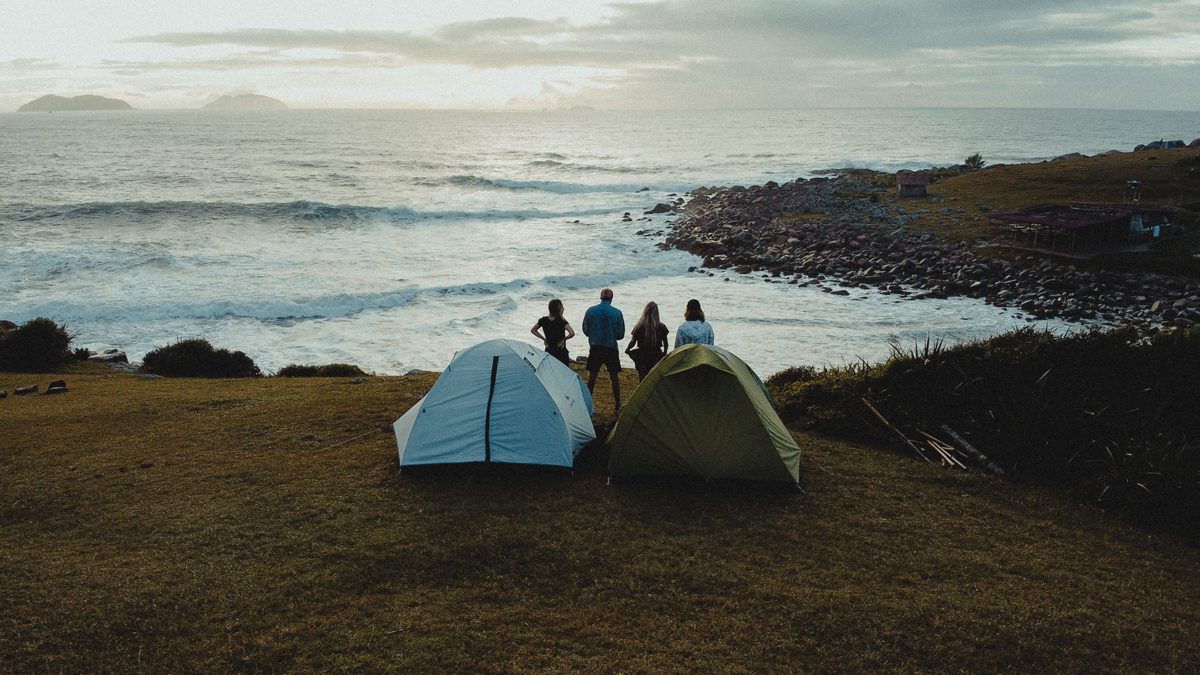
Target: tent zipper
x: 487, y: 421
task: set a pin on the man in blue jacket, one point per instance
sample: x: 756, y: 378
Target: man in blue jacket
x: 604, y: 325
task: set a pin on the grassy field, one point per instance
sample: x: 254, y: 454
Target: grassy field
x: 953, y: 208
x: 262, y: 524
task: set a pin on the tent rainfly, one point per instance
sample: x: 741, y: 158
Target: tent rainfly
x: 500, y: 401
x: 702, y: 412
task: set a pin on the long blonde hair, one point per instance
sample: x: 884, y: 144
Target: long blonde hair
x: 647, y: 327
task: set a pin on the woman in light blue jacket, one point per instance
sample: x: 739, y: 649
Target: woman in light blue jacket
x: 694, y: 329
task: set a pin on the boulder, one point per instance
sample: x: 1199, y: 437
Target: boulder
x: 659, y: 208
x: 109, y: 356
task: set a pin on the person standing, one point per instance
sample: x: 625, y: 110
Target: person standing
x: 694, y: 329
x: 647, y: 341
x: 604, y: 326
x: 555, y: 332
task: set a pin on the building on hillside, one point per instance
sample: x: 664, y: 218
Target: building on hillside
x: 910, y: 184
x: 1084, y: 226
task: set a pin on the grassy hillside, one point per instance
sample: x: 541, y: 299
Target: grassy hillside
x: 170, y: 525
x: 1168, y: 177
x: 959, y: 206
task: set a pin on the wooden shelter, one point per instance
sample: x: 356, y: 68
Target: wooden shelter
x: 1084, y: 225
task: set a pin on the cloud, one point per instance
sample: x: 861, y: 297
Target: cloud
x: 257, y: 60
x: 29, y: 65
x: 753, y: 52
x: 663, y: 33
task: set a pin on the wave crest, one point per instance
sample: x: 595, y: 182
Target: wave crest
x: 128, y: 213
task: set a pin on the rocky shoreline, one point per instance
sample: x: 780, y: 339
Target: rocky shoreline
x: 833, y: 233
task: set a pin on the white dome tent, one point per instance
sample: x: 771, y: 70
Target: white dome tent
x: 500, y: 401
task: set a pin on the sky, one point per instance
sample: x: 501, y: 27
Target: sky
x: 670, y: 54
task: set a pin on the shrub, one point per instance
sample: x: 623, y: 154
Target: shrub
x: 39, y: 345
x: 327, y: 370
x: 198, y: 358
x: 974, y: 162
x: 1107, y: 414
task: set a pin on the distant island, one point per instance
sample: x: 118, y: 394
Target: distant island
x: 246, y: 102
x: 52, y: 103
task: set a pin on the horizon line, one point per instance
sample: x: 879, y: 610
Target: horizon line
x: 587, y: 109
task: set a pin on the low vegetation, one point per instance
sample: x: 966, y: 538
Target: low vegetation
x: 198, y: 358
x: 327, y: 370
x: 37, y: 346
x: 1109, y: 415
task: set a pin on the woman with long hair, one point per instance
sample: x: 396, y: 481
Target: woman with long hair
x: 555, y: 332
x: 694, y: 329
x: 647, y: 341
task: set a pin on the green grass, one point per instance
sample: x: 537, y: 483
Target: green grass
x: 218, y: 525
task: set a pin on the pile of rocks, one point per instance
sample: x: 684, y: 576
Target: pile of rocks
x: 1167, y: 145
x: 833, y: 232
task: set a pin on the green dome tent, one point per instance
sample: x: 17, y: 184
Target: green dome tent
x: 702, y: 412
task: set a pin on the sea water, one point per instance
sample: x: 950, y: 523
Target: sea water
x: 392, y: 239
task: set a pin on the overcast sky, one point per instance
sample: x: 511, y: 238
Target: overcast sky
x: 551, y: 54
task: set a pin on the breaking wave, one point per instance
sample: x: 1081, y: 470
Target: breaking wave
x: 297, y: 211
x: 557, y: 187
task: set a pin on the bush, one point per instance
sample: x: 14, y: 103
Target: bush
x: 198, y: 358
x: 37, y: 346
x: 1110, y: 415
x: 974, y: 162
x: 327, y: 370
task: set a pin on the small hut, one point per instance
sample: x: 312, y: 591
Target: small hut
x: 910, y: 184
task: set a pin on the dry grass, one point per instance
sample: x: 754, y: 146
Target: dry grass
x: 171, y: 525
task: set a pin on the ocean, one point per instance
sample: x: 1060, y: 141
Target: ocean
x: 392, y: 239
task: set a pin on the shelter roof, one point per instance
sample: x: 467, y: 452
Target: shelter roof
x: 1066, y: 217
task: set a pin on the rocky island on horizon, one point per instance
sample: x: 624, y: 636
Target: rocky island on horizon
x: 246, y: 102
x: 86, y: 102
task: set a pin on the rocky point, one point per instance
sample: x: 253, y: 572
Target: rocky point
x: 834, y: 233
